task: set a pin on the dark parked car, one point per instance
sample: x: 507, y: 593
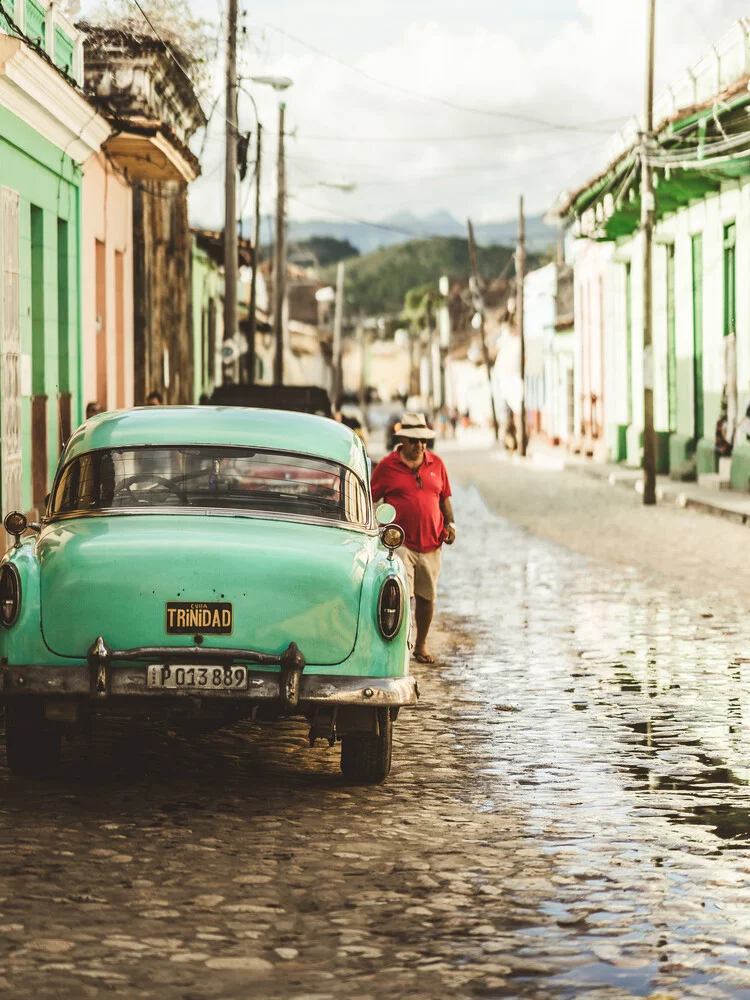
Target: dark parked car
x: 299, y: 398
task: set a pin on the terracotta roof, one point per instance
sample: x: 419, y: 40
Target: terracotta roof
x: 212, y: 242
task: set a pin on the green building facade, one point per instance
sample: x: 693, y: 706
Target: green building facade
x: 47, y: 130
x: 700, y: 360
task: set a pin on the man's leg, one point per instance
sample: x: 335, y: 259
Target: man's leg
x: 424, y: 612
x: 426, y: 573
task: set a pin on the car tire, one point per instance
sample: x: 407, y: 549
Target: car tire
x: 365, y: 758
x: 32, y: 746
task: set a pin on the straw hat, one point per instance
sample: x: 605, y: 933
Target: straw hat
x: 414, y: 425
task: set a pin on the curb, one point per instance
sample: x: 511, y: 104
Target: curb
x: 675, y: 498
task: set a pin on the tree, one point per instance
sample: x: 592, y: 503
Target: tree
x: 171, y: 22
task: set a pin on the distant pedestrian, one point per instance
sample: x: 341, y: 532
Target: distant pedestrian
x: 93, y: 408
x: 453, y: 418
x: 154, y: 399
x: 510, y: 437
x: 722, y: 438
x: 415, y: 481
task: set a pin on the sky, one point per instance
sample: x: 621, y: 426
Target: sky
x: 437, y: 106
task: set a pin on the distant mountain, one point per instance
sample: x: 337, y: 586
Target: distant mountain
x: 404, y: 226
x: 377, y: 282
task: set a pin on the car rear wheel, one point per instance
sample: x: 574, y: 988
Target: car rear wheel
x: 366, y: 757
x: 32, y: 746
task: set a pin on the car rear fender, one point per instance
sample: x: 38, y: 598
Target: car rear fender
x: 374, y: 656
x: 23, y: 642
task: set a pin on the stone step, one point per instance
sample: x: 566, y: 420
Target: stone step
x: 725, y: 467
x: 714, y: 481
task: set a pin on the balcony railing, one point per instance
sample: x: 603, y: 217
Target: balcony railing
x: 44, y: 22
x: 726, y: 63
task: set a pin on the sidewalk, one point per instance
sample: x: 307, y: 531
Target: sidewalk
x: 729, y: 504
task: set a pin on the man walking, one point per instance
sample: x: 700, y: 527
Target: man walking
x: 415, y: 481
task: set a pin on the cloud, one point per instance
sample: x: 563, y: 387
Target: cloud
x: 545, y: 105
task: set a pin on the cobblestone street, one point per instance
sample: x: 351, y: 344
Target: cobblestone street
x: 568, y: 813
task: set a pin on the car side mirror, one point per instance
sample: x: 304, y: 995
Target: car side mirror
x: 385, y: 513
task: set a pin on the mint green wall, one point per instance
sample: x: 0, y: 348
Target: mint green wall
x: 207, y: 283
x: 46, y: 178
x: 199, y: 267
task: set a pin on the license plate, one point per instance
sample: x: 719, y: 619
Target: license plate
x: 208, y: 617
x: 176, y: 678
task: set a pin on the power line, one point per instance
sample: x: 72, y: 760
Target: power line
x: 431, y: 97
x: 376, y: 225
x: 430, y: 138
x: 364, y: 222
x: 169, y: 49
x: 500, y: 168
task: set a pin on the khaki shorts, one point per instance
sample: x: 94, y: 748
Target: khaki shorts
x: 423, y: 569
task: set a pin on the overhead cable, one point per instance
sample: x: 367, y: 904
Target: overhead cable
x: 514, y: 116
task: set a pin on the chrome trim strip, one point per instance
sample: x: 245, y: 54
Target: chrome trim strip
x: 18, y: 681
x: 215, y: 655
x: 324, y: 522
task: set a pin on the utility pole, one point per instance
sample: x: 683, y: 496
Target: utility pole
x: 338, y: 321
x: 479, y: 306
x: 279, y: 269
x: 520, y: 278
x: 230, y: 179
x: 648, y: 213
x: 256, y: 262
x: 362, y: 341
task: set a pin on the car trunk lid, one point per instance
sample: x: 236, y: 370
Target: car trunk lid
x: 119, y: 576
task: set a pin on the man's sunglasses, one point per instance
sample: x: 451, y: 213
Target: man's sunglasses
x: 417, y: 440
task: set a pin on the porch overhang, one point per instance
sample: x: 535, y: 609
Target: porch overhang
x: 149, y: 151
x: 687, y: 166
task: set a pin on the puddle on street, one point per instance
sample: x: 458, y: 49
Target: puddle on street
x: 612, y: 710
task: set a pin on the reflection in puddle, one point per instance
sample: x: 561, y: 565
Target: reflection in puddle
x: 627, y: 754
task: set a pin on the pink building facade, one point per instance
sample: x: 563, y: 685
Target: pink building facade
x: 592, y: 274
x: 107, y: 285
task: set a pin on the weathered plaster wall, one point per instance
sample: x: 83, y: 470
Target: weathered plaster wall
x: 107, y: 218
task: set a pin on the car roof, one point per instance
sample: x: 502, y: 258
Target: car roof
x: 277, y: 430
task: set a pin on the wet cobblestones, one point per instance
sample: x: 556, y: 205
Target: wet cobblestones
x: 567, y: 817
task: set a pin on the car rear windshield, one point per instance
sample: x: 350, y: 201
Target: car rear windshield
x: 235, y: 479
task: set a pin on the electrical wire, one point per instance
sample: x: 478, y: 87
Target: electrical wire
x: 556, y: 126
x: 500, y: 168
x: 364, y: 222
x: 398, y: 140
x: 169, y: 49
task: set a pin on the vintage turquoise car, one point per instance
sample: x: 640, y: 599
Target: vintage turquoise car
x: 207, y: 564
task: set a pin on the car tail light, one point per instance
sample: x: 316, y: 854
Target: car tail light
x: 390, y: 608
x: 10, y: 594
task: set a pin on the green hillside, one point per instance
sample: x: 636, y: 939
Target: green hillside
x: 377, y: 282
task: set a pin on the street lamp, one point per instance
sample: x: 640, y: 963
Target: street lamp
x: 279, y: 83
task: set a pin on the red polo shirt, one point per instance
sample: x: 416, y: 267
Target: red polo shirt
x: 417, y: 509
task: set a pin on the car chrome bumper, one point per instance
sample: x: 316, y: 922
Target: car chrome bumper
x: 116, y: 679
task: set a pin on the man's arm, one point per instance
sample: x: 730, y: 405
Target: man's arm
x: 446, y: 509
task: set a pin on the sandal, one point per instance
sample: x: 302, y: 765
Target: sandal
x: 423, y: 657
